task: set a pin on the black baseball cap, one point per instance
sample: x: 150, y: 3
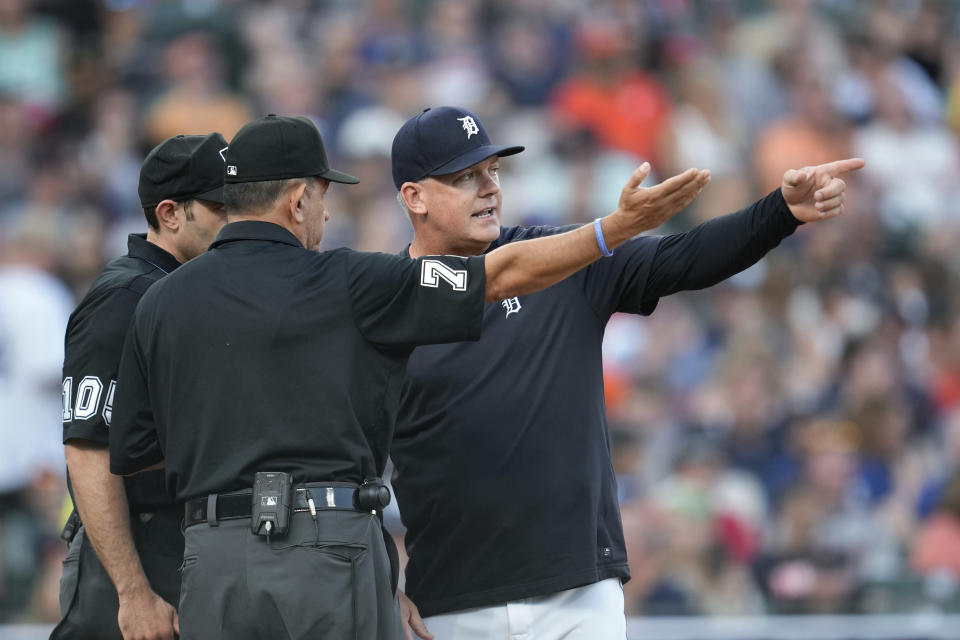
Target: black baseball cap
x: 440, y: 141
x: 280, y: 147
x: 183, y: 167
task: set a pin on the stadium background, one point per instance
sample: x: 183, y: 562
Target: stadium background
x: 786, y: 442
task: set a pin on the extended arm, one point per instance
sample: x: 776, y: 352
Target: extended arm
x: 523, y: 267
x: 724, y: 246
x: 719, y: 248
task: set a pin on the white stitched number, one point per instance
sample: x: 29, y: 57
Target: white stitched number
x: 67, y: 395
x: 108, y: 403
x: 433, y: 271
x: 88, y: 397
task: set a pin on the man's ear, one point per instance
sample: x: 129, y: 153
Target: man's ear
x: 295, y: 202
x: 413, y: 196
x: 168, y: 217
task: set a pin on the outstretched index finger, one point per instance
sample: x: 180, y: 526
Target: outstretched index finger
x: 840, y: 167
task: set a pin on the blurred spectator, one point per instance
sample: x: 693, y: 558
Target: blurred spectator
x: 802, y: 576
x: 651, y: 591
x: 783, y: 442
x: 530, y: 57
x: 815, y: 132
x: 453, y: 43
x: 713, y: 516
x: 622, y: 106
x: 627, y: 456
x: 195, y: 101
x: 34, y: 308
x: 922, y: 192
x: 109, y: 159
x: 935, y: 553
x: 15, y: 142
x: 31, y: 58
x: 703, y: 134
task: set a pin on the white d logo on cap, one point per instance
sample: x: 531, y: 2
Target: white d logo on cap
x: 469, y: 126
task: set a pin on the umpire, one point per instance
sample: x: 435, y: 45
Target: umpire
x: 120, y: 576
x: 264, y: 376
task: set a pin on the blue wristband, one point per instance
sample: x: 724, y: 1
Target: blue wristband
x: 600, y: 242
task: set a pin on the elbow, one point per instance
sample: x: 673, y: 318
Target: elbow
x: 492, y: 293
x: 501, y: 274
x: 497, y: 288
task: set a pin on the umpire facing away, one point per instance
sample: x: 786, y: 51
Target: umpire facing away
x: 264, y: 376
x: 120, y: 576
x: 502, y: 462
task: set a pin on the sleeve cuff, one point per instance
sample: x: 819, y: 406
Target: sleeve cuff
x: 90, y: 433
x: 476, y: 328
x: 776, y: 199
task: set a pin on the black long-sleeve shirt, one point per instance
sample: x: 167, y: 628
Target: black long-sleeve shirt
x: 262, y: 355
x: 503, y: 471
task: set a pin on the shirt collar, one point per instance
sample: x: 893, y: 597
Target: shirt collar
x: 405, y: 252
x: 138, y: 247
x: 255, y: 230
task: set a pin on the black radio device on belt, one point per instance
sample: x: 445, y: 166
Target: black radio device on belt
x: 372, y: 495
x: 272, y: 503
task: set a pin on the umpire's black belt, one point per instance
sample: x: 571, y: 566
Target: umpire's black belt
x: 237, y: 504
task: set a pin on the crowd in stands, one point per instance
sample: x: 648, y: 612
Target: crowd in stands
x: 785, y: 442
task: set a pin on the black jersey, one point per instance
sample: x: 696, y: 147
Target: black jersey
x: 260, y: 355
x: 92, y: 348
x: 502, y: 462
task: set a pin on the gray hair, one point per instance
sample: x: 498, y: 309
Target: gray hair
x: 259, y: 197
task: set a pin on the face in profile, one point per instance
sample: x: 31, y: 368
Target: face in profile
x: 315, y: 213
x: 203, y: 220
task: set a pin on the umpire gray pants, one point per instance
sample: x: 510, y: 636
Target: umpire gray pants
x: 325, y: 579
x: 88, y: 599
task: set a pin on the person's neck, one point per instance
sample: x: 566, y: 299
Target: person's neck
x: 165, y: 243
x: 423, y: 247
x: 274, y: 217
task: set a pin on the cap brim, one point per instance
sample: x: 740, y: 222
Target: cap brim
x: 339, y: 176
x: 474, y: 156
x: 214, y: 195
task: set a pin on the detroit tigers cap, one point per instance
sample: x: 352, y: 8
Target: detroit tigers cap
x: 279, y: 147
x: 183, y: 167
x: 440, y: 141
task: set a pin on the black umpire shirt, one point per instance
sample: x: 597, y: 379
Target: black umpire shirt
x: 92, y: 348
x: 260, y: 355
x: 502, y: 462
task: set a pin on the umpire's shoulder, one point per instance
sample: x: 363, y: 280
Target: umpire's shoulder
x: 117, y: 288
x: 121, y: 273
x: 190, y: 271
x: 358, y: 261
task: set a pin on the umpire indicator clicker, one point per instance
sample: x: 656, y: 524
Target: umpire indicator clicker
x: 271, y: 506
